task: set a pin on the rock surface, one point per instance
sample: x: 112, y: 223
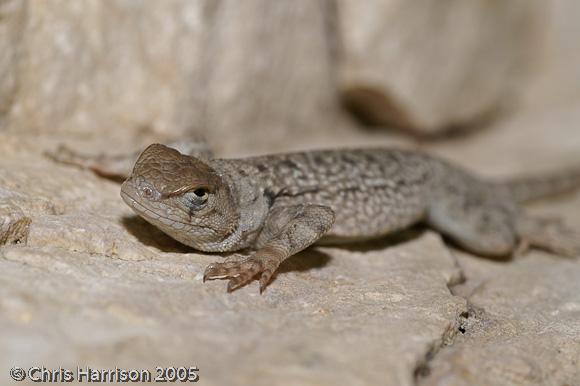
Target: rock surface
x: 522, y: 328
x: 168, y: 68
x: 84, y: 282
x: 228, y: 68
x: 93, y: 285
x: 430, y: 67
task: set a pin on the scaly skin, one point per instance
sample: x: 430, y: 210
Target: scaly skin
x: 280, y: 204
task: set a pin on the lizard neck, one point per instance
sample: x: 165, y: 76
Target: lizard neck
x: 253, y: 201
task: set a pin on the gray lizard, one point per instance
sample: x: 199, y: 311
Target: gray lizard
x: 277, y: 205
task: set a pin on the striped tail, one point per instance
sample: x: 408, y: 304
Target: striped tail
x: 532, y: 188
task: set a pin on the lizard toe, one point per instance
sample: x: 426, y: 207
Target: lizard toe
x: 240, y: 273
x: 238, y: 282
x: 265, y: 279
x: 213, y: 272
x: 222, y: 270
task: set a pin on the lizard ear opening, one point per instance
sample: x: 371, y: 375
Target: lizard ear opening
x: 201, y: 192
x: 196, y: 199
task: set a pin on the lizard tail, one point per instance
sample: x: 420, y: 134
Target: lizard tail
x: 532, y: 188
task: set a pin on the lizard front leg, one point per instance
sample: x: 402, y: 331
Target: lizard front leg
x: 287, y: 231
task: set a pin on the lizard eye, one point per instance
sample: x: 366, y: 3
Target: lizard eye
x: 196, y: 199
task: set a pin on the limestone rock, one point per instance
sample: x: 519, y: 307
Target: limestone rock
x: 352, y: 316
x: 523, y: 327
x: 13, y: 225
x: 84, y: 282
x: 89, y: 265
x: 230, y: 70
x: 234, y: 70
x: 431, y: 66
x: 93, y: 285
x: 87, y: 66
x: 11, y: 25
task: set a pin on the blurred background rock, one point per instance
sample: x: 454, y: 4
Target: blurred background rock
x: 262, y: 75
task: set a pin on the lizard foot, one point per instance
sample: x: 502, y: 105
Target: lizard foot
x: 116, y: 167
x: 551, y: 235
x: 242, y: 272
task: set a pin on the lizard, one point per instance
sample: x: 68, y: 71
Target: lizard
x: 277, y: 205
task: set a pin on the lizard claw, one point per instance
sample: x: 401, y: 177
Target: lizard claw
x: 265, y: 279
x: 242, y: 272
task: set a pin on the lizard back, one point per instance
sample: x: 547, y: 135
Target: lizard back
x: 371, y: 191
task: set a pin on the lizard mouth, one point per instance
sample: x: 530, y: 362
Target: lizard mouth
x: 136, y: 205
x: 144, y: 211
x: 178, y: 230
x: 163, y: 222
x: 129, y: 195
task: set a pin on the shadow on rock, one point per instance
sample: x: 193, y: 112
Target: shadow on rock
x: 304, y: 261
x: 153, y: 237
x: 384, y: 242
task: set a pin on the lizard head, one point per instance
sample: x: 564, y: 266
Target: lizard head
x: 182, y: 196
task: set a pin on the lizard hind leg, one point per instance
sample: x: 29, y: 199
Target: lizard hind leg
x: 478, y: 225
x: 550, y: 234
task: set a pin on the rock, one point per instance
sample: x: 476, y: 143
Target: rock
x: 103, y: 66
x: 95, y: 286
x: 429, y: 67
x: 11, y: 25
x: 299, y: 328
x: 522, y: 329
x: 226, y: 69
x: 178, y: 66
x: 83, y: 282
x: 319, y: 315
x: 13, y: 225
x: 556, y: 81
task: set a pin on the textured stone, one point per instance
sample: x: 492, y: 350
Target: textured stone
x: 87, y: 283
x: 223, y: 68
x: 239, y: 69
x: 556, y: 79
x: 13, y: 225
x: 370, y: 314
x: 523, y: 322
x: 94, y: 285
x: 523, y: 327
x: 11, y: 25
x: 104, y: 66
x: 324, y: 320
x: 431, y: 66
